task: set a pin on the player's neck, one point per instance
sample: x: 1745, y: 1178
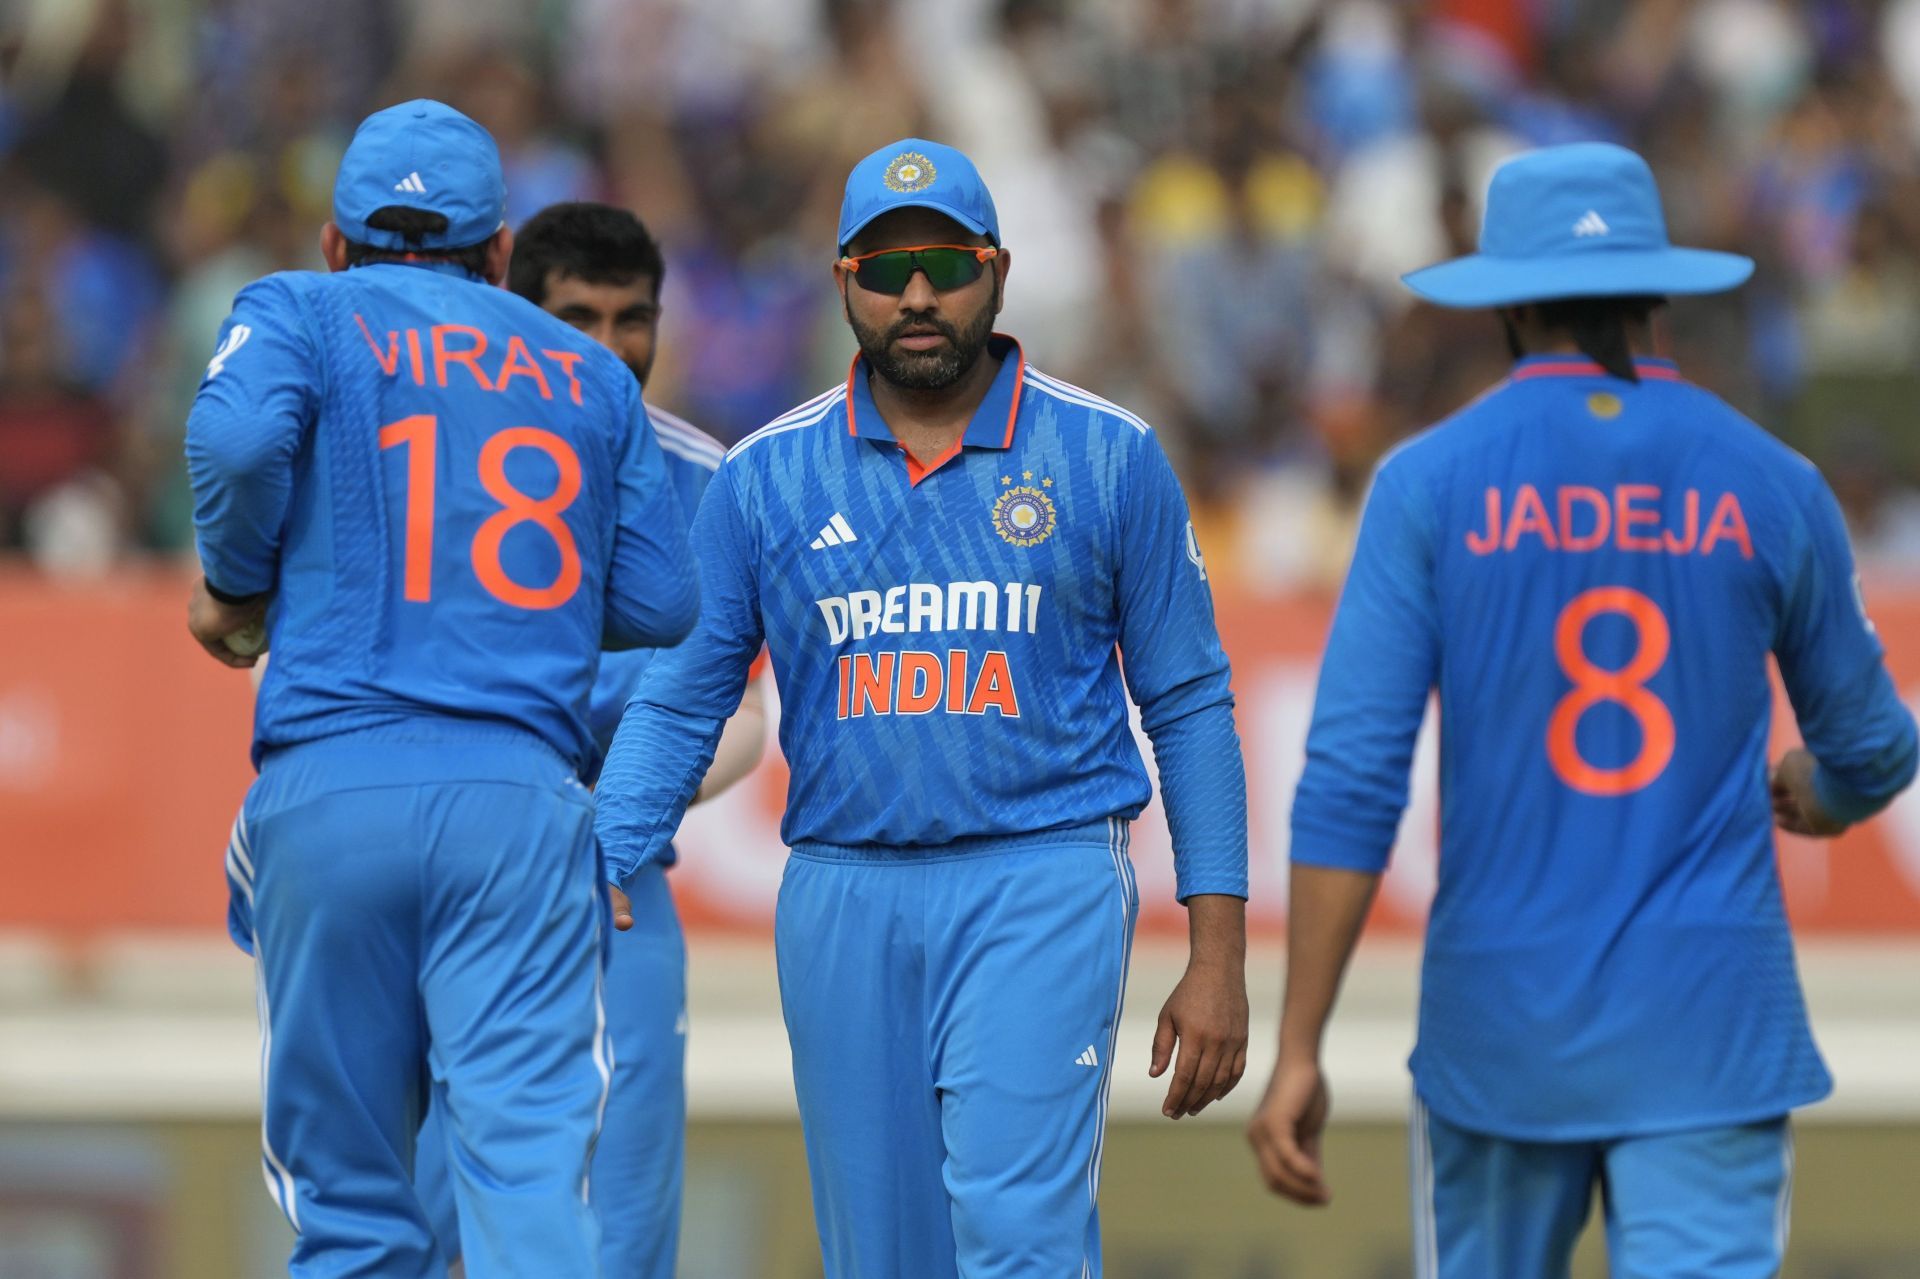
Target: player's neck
x: 1539, y: 341
x: 929, y: 423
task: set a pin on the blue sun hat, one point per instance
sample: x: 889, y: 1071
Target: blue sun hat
x: 1575, y: 221
x: 916, y: 173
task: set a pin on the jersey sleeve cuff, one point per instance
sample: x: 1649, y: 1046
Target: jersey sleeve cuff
x: 1222, y: 887
x: 1840, y: 801
x: 1335, y: 854
x: 1354, y: 839
x: 230, y: 598
x: 622, y: 865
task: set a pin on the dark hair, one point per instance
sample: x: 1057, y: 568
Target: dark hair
x: 1598, y: 327
x: 597, y: 243
x: 414, y: 226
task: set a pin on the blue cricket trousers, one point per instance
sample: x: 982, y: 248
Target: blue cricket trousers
x: 639, y: 1161
x: 1710, y: 1203
x: 425, y: 913
x: 952, y: 1013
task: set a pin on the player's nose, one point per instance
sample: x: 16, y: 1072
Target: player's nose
x: 919, y: 295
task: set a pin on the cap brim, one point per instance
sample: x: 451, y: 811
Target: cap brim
x: 848, y: 234
x: 1482, y: 281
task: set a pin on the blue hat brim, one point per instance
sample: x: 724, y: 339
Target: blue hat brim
x: 973, y: 224
x: 1478, y: 280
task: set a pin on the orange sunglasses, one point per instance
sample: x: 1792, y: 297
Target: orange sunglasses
x: 948, y: 266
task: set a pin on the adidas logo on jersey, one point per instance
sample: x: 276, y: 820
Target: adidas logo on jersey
x: 1089, y: 1057
x: 411, y: 184
x: 1591, y: 224
x: 836, y: 532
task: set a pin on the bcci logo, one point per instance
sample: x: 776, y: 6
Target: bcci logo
x: 1024, y: 515
x: 909, y: 172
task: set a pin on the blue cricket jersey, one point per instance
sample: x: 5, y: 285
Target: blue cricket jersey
x: 1593, y: 573
x: 949, y: 641
x: 692, y: 456
x: 455, y: 497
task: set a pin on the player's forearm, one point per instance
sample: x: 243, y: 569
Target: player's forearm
x: 658, y: 757
x: 742, y: 742
x: 1203, y: 786
x: 653, y: 600
x: 1325, y: 910
x: 1217, y: 931
x: 240, y: 496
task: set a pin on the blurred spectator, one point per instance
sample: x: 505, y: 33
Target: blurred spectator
x: 1384, y: 214
x: 1211, y: 202
x: 52, y: 428
x: 1865, y: 317
x: 540, y: 167
x: 1227, y: 310
x: 100, y: 289
x: 742, y: 301
x: 85, y: 144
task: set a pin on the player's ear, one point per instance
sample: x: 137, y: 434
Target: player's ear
x: 499, y: 250
x: 1001, y: 262
x: 333, y: 247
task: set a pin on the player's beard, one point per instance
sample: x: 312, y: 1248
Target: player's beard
x: 934, y: 370
x: 641, y: 372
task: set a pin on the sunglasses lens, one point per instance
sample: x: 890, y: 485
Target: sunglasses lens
x: 950, y: 268
x: 885, y: 272
x: 945, y: 268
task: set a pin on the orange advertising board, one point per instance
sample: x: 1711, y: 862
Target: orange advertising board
x: 123, y: 757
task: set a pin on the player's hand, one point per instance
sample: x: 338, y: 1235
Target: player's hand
x: 622, y: 908
x: 1796, y: 805
x: 1207, y: 1015
x: 211, y: 621
x: 1285, y: 1133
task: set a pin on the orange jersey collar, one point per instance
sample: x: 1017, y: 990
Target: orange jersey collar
x: 992, y: 425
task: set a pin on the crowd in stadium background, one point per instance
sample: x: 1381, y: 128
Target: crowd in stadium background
x: 1210, y: 203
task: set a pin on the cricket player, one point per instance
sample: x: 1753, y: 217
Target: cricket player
x: 599, y: 269
x: 961, y: 568
x: 443, y: 502
x: 1592, y: 565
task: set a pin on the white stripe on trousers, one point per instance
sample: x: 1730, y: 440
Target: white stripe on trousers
x: 1783, y: 1208
x: 237, y: 850
x: 1119, y: 835
x: 1426, y: 1232
x: 603, y: 1049
x: 239, y: 865
x: 279, y: 1180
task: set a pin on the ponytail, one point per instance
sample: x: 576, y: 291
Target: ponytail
x: 1598, y: 327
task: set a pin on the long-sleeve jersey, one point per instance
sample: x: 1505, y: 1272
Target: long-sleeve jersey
x: 455, y: 498
x: 691, y: 456
x: 954, y: 645
x: 1593, y: 573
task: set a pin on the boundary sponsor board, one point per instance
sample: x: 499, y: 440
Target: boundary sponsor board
x: 123, y: 757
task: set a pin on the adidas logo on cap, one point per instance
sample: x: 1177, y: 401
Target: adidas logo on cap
x: 1591, y: 224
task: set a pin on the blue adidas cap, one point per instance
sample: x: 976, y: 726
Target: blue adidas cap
x: 1575, y: 221
x: 424, y: 155
x: 916, y: 174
